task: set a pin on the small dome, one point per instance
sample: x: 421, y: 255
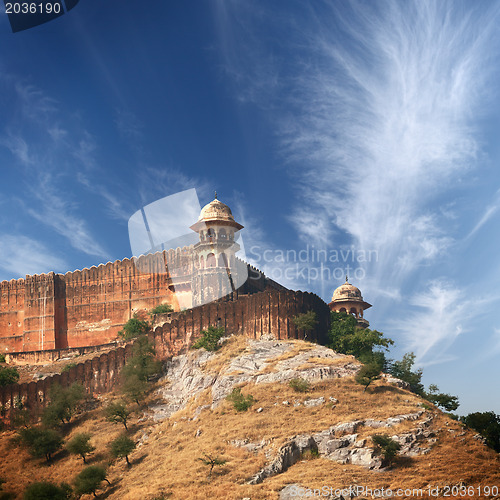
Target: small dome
x: 347, y: 291
x: 216, y: 210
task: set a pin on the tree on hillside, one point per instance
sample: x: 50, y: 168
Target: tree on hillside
x: 47, y: 491
x: 8, y: 376
x: 346, y: 337
x: 133, y: 328
x: 209, y: 339
x: 212, y: 461
x: 41, y: 442
x: 122, y: 447
x: 90, y: 479
x: 445, y: 401
x: 117, y: 412
x: 63, y: 404
x: 306, y: 321
x: 387, y: 446
x: 80, y: 445
x: 487, y: 423
x: 403, y: 370
x: 368, y: 373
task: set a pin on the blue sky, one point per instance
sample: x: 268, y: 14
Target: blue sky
x: 360, y: 129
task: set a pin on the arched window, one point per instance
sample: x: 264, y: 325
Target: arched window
x: 210, y: 260
x: 353, y: 312
x: 211, y: 233
x: 342, y: 310
x: 222, y: 234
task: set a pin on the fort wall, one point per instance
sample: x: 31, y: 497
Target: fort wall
x: 267, y: 313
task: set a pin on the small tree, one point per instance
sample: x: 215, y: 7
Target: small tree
x: 403, y: 370
x: 90, y: 479
x: 63, y: 404
x: 8, y: 376
x: 80, y: 445
x: 387, y: 446
x: 133, y: 328
x: 306, y: 321
x: 209, y: 339
x: 212, y: 461
x: 117, y: 412
x: 367, y: 374
x: 41, y: 442
x: 47, y: 491
x: 445, y: 401
x: 239, y: 400
x: 487, y: 423
x: 134, y: 388
x: 122, y: 447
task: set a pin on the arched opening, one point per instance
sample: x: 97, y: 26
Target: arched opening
x: 210, y: 260
x: 211, y: 233
x: 202, y: 235
x: 342, y: 310
x: 222, y: 234
x: 353, y: 312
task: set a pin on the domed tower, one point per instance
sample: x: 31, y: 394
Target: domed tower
x: 214, y: 254
x: 347, y: 298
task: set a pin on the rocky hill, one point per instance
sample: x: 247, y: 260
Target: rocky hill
x: 287, y: 443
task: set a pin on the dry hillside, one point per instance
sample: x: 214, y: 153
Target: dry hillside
x: 315, y: 439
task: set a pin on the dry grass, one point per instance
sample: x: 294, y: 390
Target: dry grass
x: 233, y: 347
x: 168, y: 462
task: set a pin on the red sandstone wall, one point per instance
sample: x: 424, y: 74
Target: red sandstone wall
x: 12, y: 294
x: 268, y: 312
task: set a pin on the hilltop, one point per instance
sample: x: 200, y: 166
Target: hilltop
x: 285, y: 440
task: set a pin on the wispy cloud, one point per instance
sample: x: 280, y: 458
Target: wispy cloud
x: 488, y: 213
x: 441, y: 313
x: 20, y: 255
x: 58, y: 213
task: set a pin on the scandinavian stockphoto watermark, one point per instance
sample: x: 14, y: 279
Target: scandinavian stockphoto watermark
x: 311, y: 264
x: 355, y: 491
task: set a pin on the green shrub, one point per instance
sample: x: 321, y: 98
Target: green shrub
x: 299, y: 385
x: 2, y: 358
x: 239, y: 400
x: 386, y: 445
x: 133, y: 328
x: 47, y: 491
x: 8, y: 376
x: 68, y: 367
x: 209, y: 339
x: 80, y: 445
x: 161, y: 309
x: 122, y: 447
x: 90, y: 479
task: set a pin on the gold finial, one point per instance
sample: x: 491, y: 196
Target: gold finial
x: 215, y: 194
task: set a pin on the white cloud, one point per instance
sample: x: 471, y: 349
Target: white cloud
x: 21, y: 255
x: 488, y: 213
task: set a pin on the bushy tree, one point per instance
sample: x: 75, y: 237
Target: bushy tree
x: 403, y: 370
x: 47, y: 491
x: 368, y: 373
x: 346, y: 337
x: 239, y: 400
x: 487, y: 423
x: 63, y: 404
x: 41, y: 442
x: 209, y: 339
x: 306, y: 321
x: 8, y: 376
x: 117, y: 411
x: 133, y: 328
x: 80, y: 445
x: 90, y: 479
x: 122, y: 447
x: 445, y: 401
x: 387, y: 446
x: 134, y: 388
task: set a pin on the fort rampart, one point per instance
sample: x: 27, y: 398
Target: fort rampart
x: 268, y: 313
